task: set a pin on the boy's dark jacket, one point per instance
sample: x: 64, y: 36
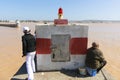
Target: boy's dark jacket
x: 28, y: 43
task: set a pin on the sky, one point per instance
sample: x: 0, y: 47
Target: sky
x: 48, y: 9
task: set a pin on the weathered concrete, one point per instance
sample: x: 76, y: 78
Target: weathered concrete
x: 62, y: 75
x: 59, y: 47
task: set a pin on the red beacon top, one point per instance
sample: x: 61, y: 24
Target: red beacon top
x: 60, y: 11
x: 60, y: 21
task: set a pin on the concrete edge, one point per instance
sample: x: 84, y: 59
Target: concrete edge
x: 107, y: 75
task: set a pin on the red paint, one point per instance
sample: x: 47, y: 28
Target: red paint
x: 43, y: 46
x: 77, y: 46
x: 60, y: 21
x: 60, y: 11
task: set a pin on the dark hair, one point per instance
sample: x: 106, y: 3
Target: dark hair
x: 94, y: 44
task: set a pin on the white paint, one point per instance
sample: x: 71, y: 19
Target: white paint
x: 45, y: 31
x: 44, y: 62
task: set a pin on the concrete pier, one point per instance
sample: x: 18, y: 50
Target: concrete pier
x: 16, y: 24
x: 9, y: 25
x: 62, y: 75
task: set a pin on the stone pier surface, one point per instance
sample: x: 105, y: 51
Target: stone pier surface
x: 61, y: 75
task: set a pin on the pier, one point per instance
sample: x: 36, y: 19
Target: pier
x: 61, y: 75
x: 10, y: 24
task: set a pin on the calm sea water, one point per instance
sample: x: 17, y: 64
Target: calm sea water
x: 107, y: 34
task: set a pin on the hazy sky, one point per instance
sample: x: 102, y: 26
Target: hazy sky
x: 48, y: 9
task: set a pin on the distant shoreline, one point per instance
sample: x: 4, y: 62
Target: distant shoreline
x: 70, y: 21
